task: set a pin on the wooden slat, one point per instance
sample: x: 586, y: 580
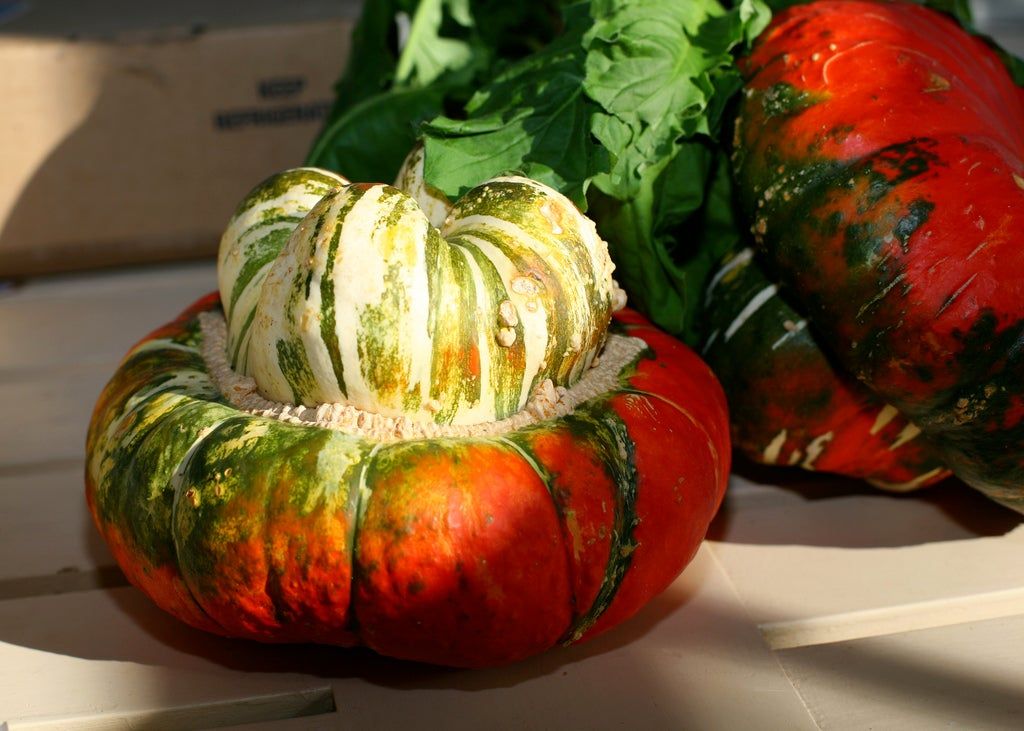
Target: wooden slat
x: 690, y: 659
x: 967, y: 676
x: 893, y: 620
x: 126, y: 280
x: 325, y: 722
x: 78, y: 321
x: 863, y: 563
x: 53, y: 411
x: 119, y: 695
x: 777, y: 507
x: 62, y: 339
x: 49, y: 543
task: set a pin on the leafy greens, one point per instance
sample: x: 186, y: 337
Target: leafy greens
x: 616, y: 103
x: 619, y: 104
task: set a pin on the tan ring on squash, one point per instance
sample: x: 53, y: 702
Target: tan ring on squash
x: 546, y: 402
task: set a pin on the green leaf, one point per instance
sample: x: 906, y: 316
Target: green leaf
x: 640, y: 65
x: 385, y: 93
x: 373, y: 44
x: 370, y: 140
x: 663, y: 75
x: 532, y: 119
x: 654, y: 68
x: 667, y: 238
x: 545, y: 139
x: 428, y: 53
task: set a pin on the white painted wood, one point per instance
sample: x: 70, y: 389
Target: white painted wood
x: 119, y: 695
x: 885, y: 611
x: 690, y: 659
x: 894, y: 620
x: 778, y: 507
x: 319, y: 722
x: 92, y: 319
x: 60, y: 340
x: 794, y: 559
x: 48, y: 533
x: 53, y: 411
x: 127, y: 280
x: 967, y: 676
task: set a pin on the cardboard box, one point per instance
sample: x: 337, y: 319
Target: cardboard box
x: 131, y: 138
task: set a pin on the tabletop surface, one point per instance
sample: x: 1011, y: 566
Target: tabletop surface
x: 815, y: 603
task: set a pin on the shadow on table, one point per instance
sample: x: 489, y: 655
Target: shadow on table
x: 781, y: 506
x: 334, y: 662
x: 154, y: 634
x: 848, y: 684
x: 682, y: 625
x: 913, y: 680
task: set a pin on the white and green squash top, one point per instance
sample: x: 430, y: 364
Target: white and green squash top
x: 391, y: 301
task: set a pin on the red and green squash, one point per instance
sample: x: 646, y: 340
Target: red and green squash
x: 448, y: 444
x: 789, y: 404
x: 879, y: 156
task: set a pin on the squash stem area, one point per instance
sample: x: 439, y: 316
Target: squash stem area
x: 546, y: 402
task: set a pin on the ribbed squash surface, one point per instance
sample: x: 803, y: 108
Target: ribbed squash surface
x: 481, y: 539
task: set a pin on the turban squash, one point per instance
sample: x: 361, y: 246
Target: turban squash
x: 436, y: 436
x: 880, y: 159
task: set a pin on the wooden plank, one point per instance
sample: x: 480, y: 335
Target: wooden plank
x: 894, y: 619
x: 858, y: 563
x: 778, y: 506
x: 66, y: 336
x: 790, y: 582
x: 49, y: 543
x: 968, y: 676
x: 85, y: 320
x: 691, y: 658
x: 53, y: 413
x: 118, y: 695
x: 323, y: 722
x: 99, y: 283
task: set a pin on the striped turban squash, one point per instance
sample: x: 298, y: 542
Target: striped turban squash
x: 425, y: 428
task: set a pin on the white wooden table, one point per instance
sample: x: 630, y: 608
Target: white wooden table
x: 816, y: 603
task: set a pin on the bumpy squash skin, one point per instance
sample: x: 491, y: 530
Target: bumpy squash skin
x: 880, y: 158
x: 789, y: 404
x: 457, y: 551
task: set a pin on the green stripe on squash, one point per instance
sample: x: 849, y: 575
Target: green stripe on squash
x: 255, y: 235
